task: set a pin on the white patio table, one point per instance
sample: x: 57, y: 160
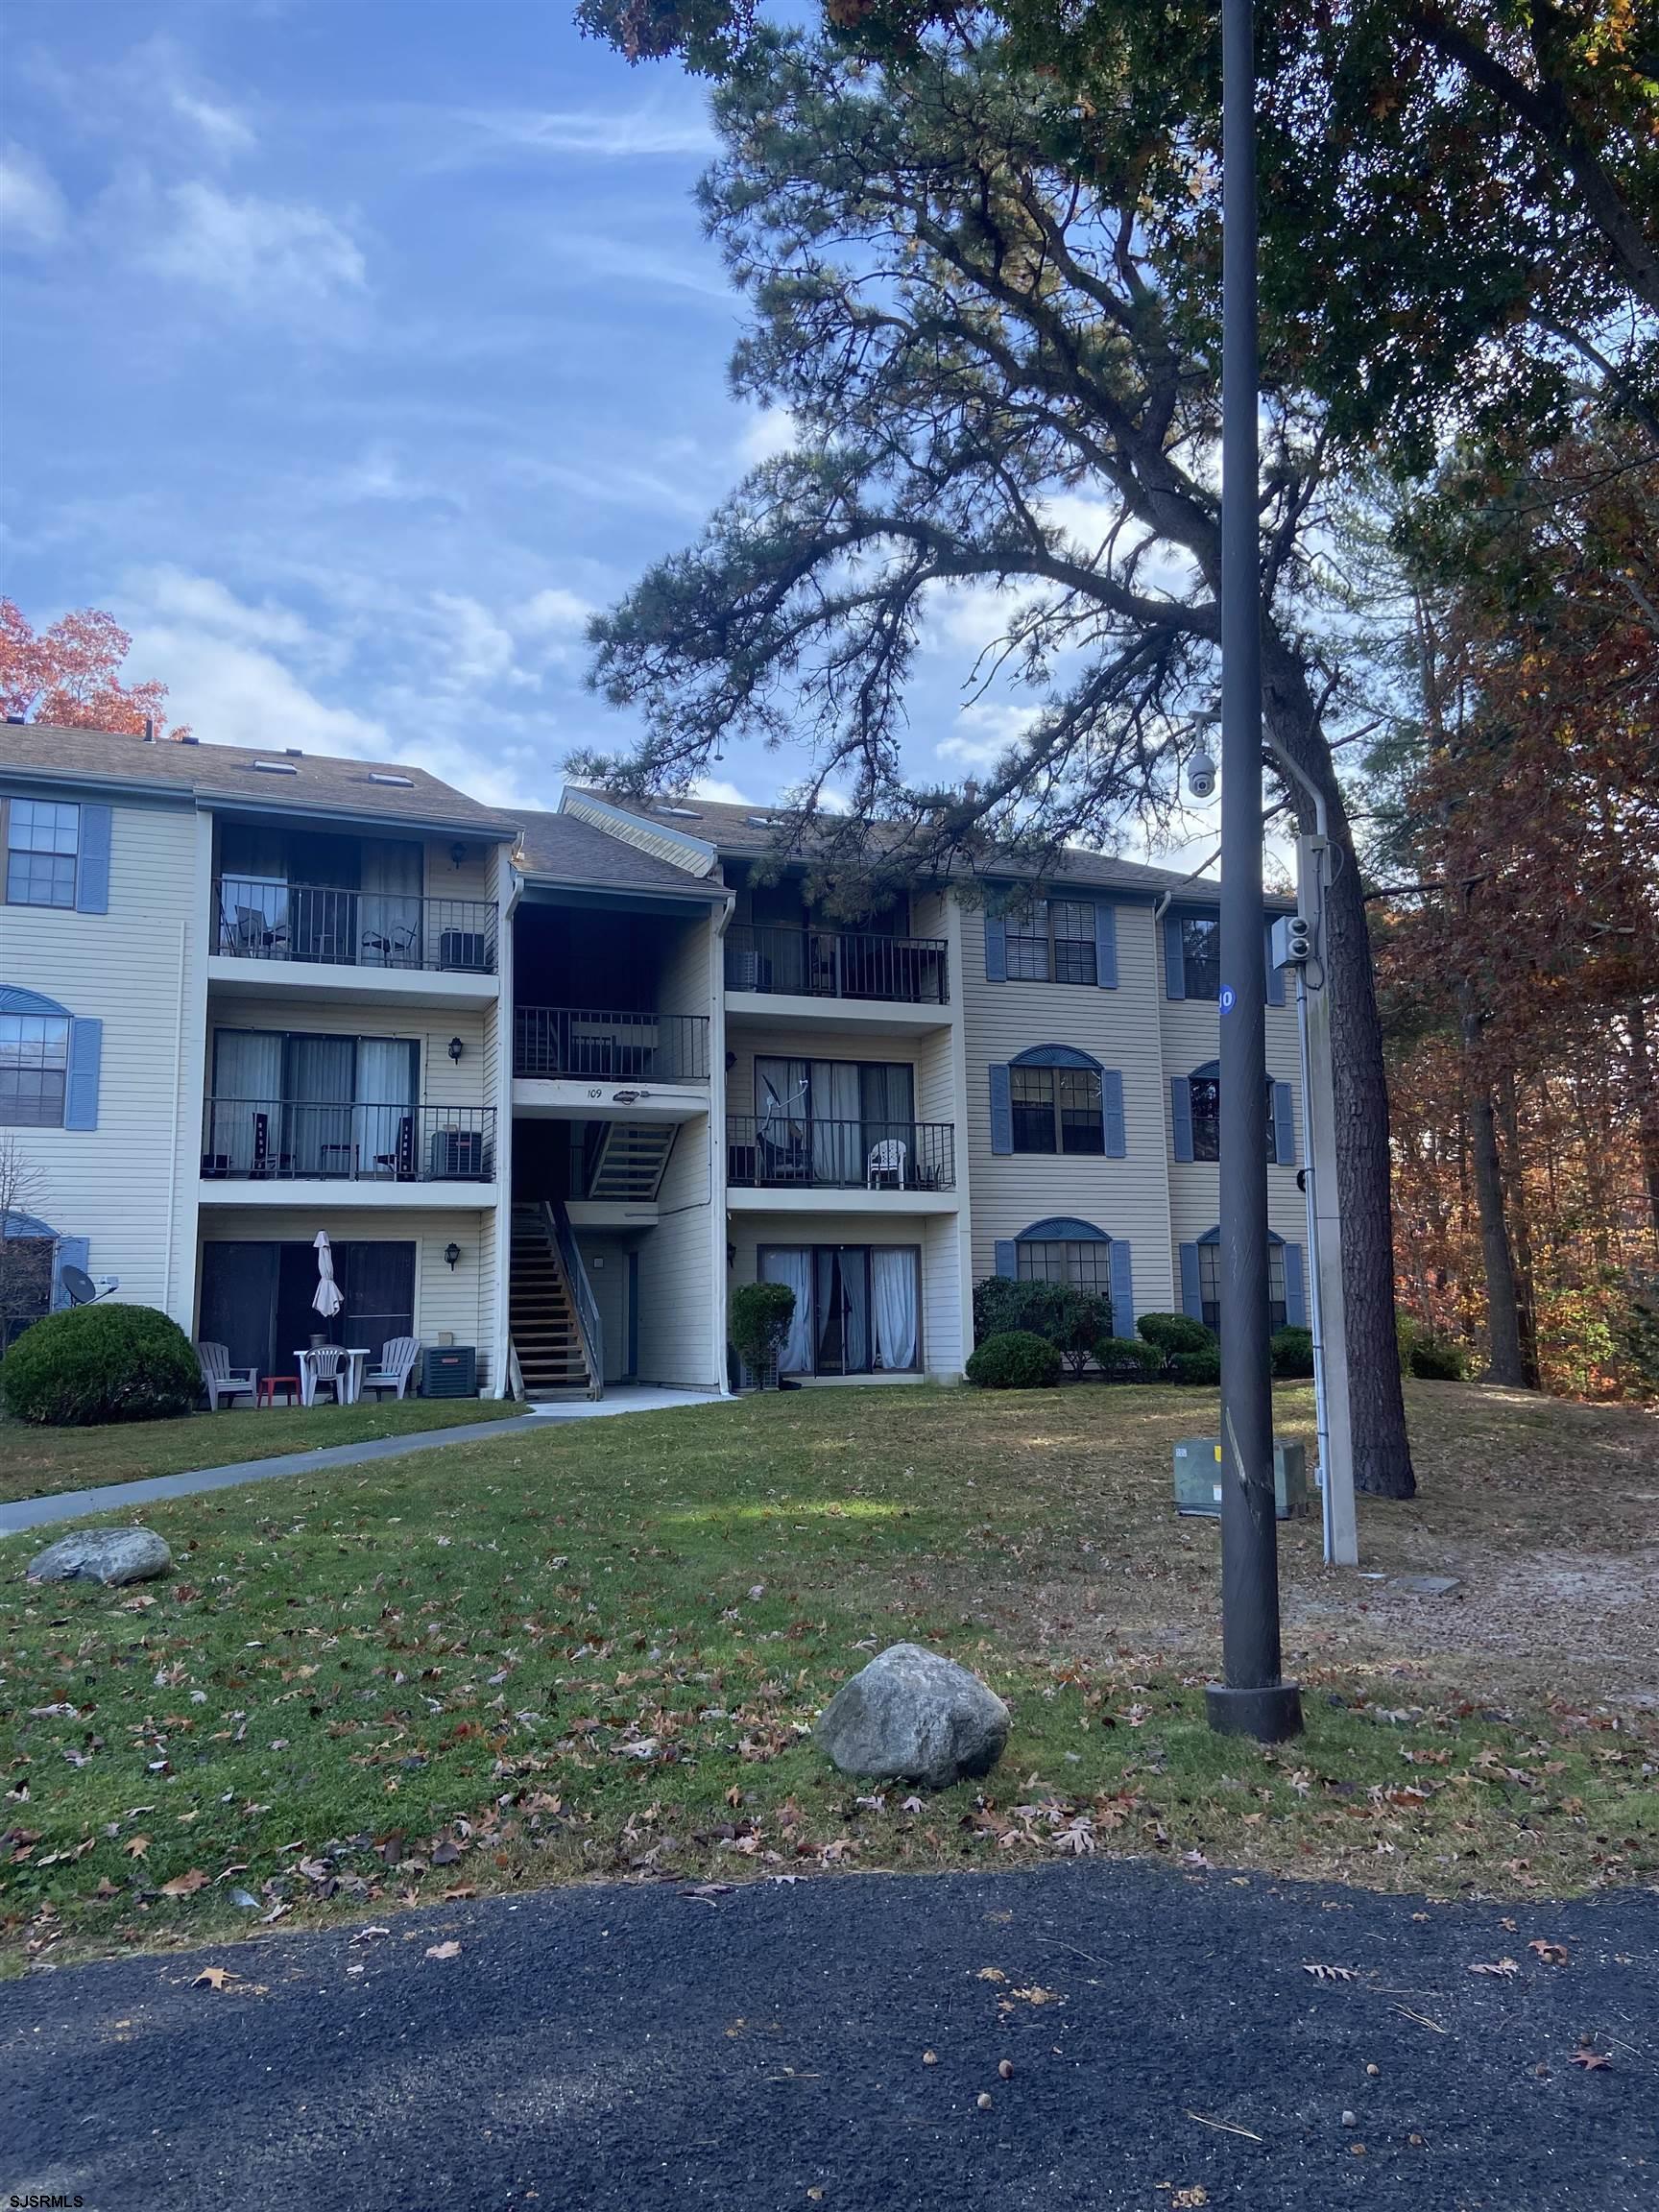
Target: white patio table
x: 357, y: 1357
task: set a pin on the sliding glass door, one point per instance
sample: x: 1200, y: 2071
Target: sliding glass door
x: 857, y: 1307
x: 313, y: 1105
x: 829, y: 1122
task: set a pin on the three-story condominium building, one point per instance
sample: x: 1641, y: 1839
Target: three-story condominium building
x: 552, y: 1083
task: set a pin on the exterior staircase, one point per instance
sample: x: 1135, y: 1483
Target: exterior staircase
x: 548, y: 1338
x: 629, y: 1163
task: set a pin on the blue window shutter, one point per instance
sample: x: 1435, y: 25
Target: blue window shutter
x: 80, y: 1090
x: 1007, y: 1257
x: 1192, y: 1295
x: 1105, y: 945
x: 1174, y: 959
x: 1112, y: 1112
x: 996, y: 949
x: 1123, y: 1288
x: 1283, y: 1125
x: 92, y: 869
x: 1275, y: 976
x: 1181, y: 1114
x: 1295, y: 1295
x: 71, y: 1252
x: 1001, y: 1111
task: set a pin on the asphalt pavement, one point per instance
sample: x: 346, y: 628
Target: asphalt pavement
x: 766, y: 2046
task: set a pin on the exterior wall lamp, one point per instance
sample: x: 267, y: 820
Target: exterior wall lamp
x: 456, y: 1047
x: 457, y: 854
x: 452, y: 1253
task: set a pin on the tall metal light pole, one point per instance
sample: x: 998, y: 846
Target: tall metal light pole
x: 1251, y: 1701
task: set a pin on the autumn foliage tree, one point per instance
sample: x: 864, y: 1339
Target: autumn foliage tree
x: 70, y: 675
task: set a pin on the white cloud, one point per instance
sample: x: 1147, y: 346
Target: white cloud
x: 720, y: 792
x: 33, y: 212
x: 768, y: 435
x: 552, y: 612
x: 225, y: 132
x: 264, y: 255
x: 233, y: 693
x: 984, y: 732
x: 476, y: 650
x: 587, y: 132
x: 174, y: 595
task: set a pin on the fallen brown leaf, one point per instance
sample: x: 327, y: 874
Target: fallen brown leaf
x: 1505, y: 1970
x: 1332, y: 1973
x: 449, y: 1950
x: 185, y: 1885
x: 1553, y: 1954
x: 1590, y: 2059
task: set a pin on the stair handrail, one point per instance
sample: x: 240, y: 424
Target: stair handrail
x: 590, y: 1329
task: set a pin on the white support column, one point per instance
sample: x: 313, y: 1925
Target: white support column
x: 720, y: 1277
x: 956, y: 983
x: 1329, y: 1312
x: 509, y: 883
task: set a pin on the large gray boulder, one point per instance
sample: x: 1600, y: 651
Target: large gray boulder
x: 108, y: 1556
x: 913, y: 1716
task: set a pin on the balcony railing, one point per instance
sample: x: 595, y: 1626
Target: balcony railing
x: 286, y: 1140
x: 634, y: 1047
x: 775, y: 1153
x: 257, y: 918
x: 837, y: 964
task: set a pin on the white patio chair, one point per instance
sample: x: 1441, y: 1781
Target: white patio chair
x: 220, y: 1380
x: 397, y: 1357
x: 328, y: 1371
x: 887, y: 1158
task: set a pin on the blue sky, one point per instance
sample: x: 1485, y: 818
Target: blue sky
x: 355, y: 352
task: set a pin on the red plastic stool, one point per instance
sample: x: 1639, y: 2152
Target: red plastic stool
x: 268, y: 1388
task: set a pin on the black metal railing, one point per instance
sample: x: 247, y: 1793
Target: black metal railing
x: 632, y: 1048
x: 286, y: 1140
x: 836, y: 964
x: 259, y: 920
x: 774, y: 1152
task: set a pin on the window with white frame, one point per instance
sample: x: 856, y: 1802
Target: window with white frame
x: 1210, y: 1286
x: 1056, y: 1109
x: 1084, y: 1263
x: 33, y: 1069
x: 1052, y: 940
x: 43, y: 839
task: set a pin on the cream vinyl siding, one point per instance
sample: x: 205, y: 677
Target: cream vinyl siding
x: 1190, y: 1034
x: 676, y: 1295
x: 461, y: 1299
x: 1126, y: 1199
x: 685, y: 985
x: 933, y: 1234
x: 129, y: 1186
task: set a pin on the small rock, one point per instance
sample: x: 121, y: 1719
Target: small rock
x: 983, y: 2099
x: 1348, y: 2120
x: 1005, y: 2067
x: 1373, y: 2069
x: 912, y: 1715
x: 929, y: 2057
x: 108, y: 1556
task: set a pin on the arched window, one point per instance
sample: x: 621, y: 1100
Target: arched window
x: 1055, y: 1099
x: 1195, y: 1115
x: 48, y: 1063
x: 1061, y: 1248
x: 1201, y: 1281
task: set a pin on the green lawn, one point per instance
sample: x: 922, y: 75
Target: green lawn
x: 36, y: 1462
x: 597, y: 1648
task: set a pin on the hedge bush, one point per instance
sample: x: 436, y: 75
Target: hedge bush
x: 1292, y: 1353
x: 1201, y: 1369
x: 1068, y: 1317
x: 758, y: 1321
x: 1173, y: 1333
x: 1434, y: 1360
x: 104, y: 1362
x: 1128, y: 1359
x: 1016, y: 1360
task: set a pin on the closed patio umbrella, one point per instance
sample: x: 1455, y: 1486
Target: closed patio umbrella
x: 327, y: 1300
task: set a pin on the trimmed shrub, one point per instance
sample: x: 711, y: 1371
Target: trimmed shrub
x: 1016, y: 1360
x: 104, y: 1362
x: 1072, y: 1320
x: 1173, y: 1333
x: 1434, y: 1360
x: 758, y: 1321
x: 1128, y: 1359
x: 1201, y: 1369
x: 1086, y: 1319
x: 1293, y: 1353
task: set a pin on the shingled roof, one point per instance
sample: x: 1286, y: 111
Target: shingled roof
x: 230, y: 775
x: 565, y: 848
x: 750, y: 832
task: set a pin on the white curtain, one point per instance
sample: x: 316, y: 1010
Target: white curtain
x: 319, y: 1090
x: 385, y: 1095
x: 795, y: 1269
x: 389, y: 911
x: 837, y: 1132
x: 894, y: 1280
x: 780, y: 1118
x: 246, y: 1100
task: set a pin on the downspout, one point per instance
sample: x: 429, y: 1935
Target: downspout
x: 719, y: 1226
x: 173, y: 1152
x: 507, y: 1377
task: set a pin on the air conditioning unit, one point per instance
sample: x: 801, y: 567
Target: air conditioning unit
x: 747, y: 971
x: 1199, y: 1477
x: 458, y: 1155
x: 450, y: 1371
x: 462, y: 948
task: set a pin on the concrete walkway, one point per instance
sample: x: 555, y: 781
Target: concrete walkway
x: 114, y: 1496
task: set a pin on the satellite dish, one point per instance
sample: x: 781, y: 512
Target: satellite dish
x: 82, y: 1288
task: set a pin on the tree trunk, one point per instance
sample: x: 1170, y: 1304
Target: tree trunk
x: 1647, y: 1087
x: 1364, y: 1169
x: 1504, y: 1358
x: 1515, y: 1203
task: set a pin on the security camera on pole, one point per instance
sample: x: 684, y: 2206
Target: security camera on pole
x: 1252, y: 1699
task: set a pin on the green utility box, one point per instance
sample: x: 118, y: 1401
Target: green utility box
x: 1198, y: 1475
